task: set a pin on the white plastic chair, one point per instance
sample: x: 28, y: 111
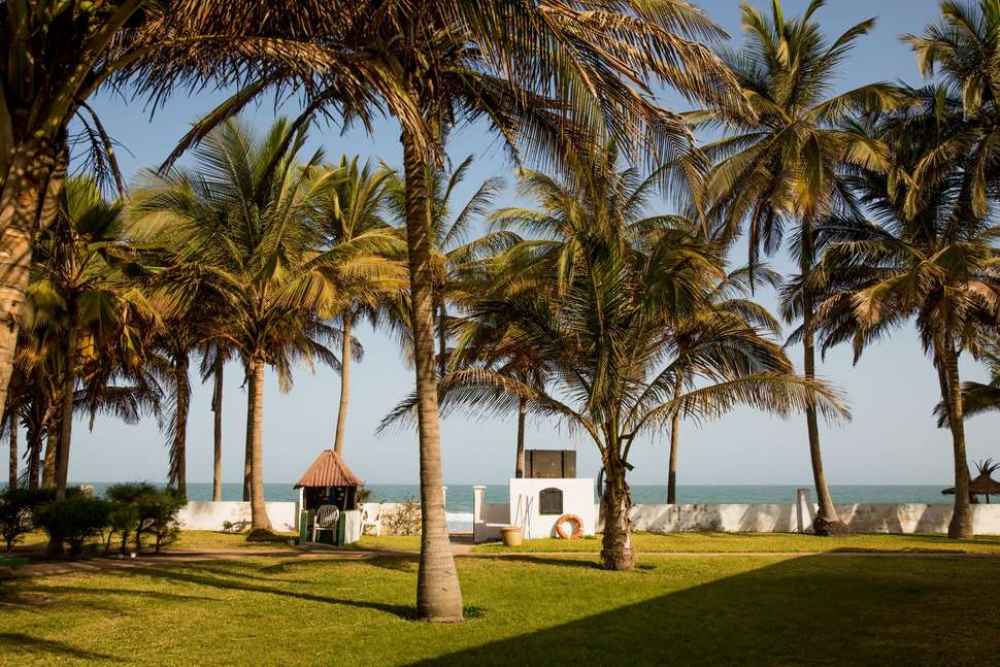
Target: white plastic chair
x: 327, y: 517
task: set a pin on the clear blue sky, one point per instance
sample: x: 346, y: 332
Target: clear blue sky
x: 892, y: 439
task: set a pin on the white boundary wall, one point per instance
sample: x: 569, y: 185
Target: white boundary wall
x: 209, y: 515
x: 860, y: 518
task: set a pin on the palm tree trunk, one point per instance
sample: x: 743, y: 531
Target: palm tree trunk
x: 12, y: 475
x: 34, y: 438
x: 28, y: 200
x: 345, y: 385
x: 248, y: 464
x: 66, y: 411
x: 49, y: 462
x: 617, y: 551
x: 439, y: 595
x: 178, y: 448
x: 675, y: 436
x: 960, y: 527
x: 826, y: 522
x: 442, y: 340
x: 218, y: 373
x: 522, y: 414
x: 255, y: 437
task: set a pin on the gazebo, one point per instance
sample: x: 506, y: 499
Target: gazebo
x: 328, y: 481
x: 983, y: 484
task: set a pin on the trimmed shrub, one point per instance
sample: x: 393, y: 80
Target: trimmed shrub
x: 74, y: 519
x: 16, y: 507
x: 158, y: 517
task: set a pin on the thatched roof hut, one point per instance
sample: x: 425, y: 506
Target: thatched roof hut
x: 328, y: 481
x: 983, y: 484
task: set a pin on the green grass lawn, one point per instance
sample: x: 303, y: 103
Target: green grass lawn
x: 733, y: 609
x: 757, y: 543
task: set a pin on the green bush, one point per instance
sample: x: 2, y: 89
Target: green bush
x: 74, y: 519
x: 158, y: 517
x: 16, y: 507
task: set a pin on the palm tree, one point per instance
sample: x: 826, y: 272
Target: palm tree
x: 351, y: 219
x: 600, y: 298
x: 929, y: 257
x: 243, y: 245
x: 213, y: 366
x: 978, y: 397
x: 542, y: 79
x: 782, y: 166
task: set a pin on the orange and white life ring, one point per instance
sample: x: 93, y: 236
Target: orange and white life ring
x: 574, y: 521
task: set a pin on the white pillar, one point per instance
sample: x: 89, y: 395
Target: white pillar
x: 803, y: 516
x: 478, y: 510
x: 444, y: 496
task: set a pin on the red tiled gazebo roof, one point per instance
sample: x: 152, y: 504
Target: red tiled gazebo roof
x: 328, y: 470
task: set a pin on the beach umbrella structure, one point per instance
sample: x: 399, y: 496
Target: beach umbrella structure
x: 983, y: 484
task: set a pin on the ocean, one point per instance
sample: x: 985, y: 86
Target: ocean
x: 459, y: 496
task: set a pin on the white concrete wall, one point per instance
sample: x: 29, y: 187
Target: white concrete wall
x: 860, y: 518
x: 578, y: 499
x: 208, y: 515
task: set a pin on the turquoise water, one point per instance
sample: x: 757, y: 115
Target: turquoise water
x: 459, y: 498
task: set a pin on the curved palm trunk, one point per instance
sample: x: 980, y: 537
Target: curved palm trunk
x: 29, y: 200
x: 439, y: 595
x: 34, y: 442
x: 675, y: 437
x: 255, y: 440
x: 345, y: 385
x: 826, y: 522
x: 617, y: 551
x: 218, y: 373
x: 961, y: 518
x: 12, y: 475
x: 522, y: 414
x: 178, y: 448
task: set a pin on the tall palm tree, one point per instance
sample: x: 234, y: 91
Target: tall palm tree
x: 601, y: 295
x: 929, y: 257
x: 351, y: 218
x: 242, y: 243
x: 55, y: 56
x: 542, y: 78
x: 782, y: 167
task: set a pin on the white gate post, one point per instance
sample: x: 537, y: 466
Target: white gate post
x: 478, y: 510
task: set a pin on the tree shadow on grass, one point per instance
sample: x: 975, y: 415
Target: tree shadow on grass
x: 802, y: 610
x: 176, y: 575
x: 16, y: 644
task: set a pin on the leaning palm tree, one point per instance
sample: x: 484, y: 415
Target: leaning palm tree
x: 599, y: 296
x: 350, y: 218
x: 781, y: 167
x: 241, y: 242
x: 928, y: 257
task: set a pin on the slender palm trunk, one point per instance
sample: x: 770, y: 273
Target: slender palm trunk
x: 34, y: 438
x: 675, y: 438
x: 522, y: 414
x: 255, y: 439
x: 66, y: 411
x: 51, y: 447
x: 439, y: 595
x: 217, y: 373
x: 442, y: 315
x: 28, y: 200
x: 178, y: 447
x: 617, y: 551
x: 961, y: 519
x: 345, y: 385
x: 248, y: 464
x: 826, y: 521
x: 12, y: 475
